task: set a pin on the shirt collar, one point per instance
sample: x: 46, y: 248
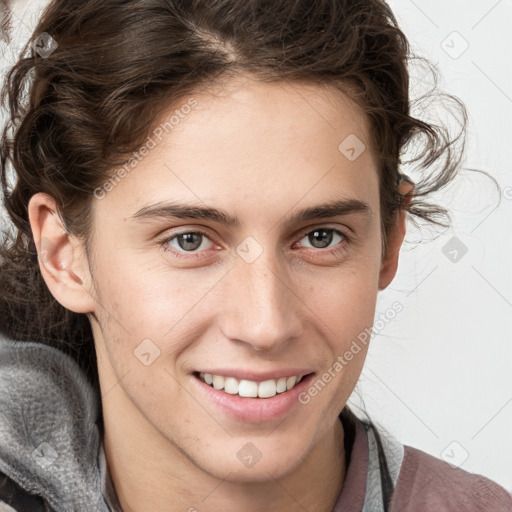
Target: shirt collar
x: 352, y: 495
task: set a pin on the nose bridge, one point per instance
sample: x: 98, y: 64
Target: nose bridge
x: 262, y: 307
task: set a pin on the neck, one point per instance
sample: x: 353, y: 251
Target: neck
x: 156, y: 475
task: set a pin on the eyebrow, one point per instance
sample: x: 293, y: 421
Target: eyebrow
x: 175, y: 210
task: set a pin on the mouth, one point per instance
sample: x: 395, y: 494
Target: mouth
x: 250, y: 388
x: 268, y: 399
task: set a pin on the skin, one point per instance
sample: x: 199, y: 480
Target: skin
x: 260, y: 152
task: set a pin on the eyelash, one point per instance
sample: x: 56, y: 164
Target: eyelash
x: 338, y: 250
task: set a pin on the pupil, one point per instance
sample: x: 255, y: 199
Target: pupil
x: 189, y: 238
x: 326, y: 239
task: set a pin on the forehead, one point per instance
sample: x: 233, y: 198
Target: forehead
x: 249, y: 142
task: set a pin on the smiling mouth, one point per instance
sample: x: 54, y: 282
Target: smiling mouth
x: 249, y: 388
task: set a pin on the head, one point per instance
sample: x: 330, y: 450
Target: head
x: 214, y: 188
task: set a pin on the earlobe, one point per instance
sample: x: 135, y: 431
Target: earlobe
x: 62, y: 262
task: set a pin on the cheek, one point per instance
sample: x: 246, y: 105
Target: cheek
x: 346, y: 304
x: 151, y: 316
x: 346, y: 297
x: 147, y: 299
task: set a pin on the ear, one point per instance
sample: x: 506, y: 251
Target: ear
x: 62, y: 258
x: 396, y: 236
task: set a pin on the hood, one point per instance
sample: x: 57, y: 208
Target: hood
x: 49, y: 436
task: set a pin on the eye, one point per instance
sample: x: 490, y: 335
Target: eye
x: 194, y: 242
x: 187, y: 241
x: 322, y: 238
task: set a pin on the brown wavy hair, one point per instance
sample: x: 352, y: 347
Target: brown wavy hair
x: 75, y: 114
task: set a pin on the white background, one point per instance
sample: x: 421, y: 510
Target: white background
x: 439, y: 375
x: 441, y: 371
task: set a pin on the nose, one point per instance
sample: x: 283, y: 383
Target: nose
x: 262, y: 308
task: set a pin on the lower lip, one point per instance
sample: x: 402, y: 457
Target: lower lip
x: 254, y: 410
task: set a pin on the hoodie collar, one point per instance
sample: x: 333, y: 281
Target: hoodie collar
x: 49, y: 435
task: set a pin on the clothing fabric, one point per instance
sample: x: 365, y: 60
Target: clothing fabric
x: 52, y: 458
x: 384, y: 475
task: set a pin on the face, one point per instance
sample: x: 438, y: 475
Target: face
x: 260, y: 292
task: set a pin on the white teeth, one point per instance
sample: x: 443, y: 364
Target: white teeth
x: 267, y: 388
x: 290, y: 382
x: 218, y: 382
x: 231, y: 386
x: 281, y: 385
x: 249, y: 388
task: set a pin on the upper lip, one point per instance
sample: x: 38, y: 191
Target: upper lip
x: 258, y: 376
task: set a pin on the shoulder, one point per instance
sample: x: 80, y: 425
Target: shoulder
x: 15, y: 499
x: 427, y: 483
